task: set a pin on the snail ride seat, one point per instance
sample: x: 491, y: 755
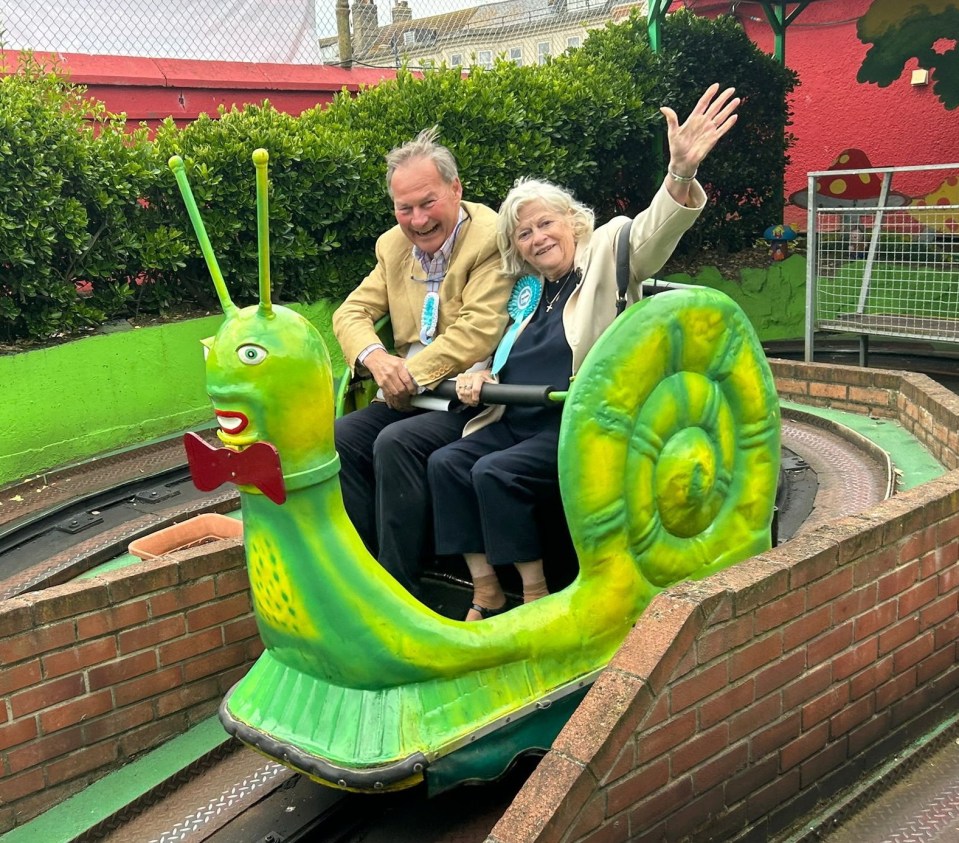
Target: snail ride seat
x: 446, y: 581
x: 668, y: 466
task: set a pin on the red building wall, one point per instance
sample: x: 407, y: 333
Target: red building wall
x: 151, y: 89
x: 895, y: 126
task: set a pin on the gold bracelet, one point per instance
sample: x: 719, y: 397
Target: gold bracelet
x: 683, y: 179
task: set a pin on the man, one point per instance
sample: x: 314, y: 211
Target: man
x: 437, y: 275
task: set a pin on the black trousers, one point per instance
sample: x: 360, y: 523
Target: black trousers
x: 383, y: 455
x: 486, y: 488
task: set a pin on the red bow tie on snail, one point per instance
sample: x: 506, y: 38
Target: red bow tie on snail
x: 257, y: 465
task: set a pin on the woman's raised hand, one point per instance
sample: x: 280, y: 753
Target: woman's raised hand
x: 691, y: 141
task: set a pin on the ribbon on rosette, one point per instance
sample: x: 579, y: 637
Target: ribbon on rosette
x: 522, y: 303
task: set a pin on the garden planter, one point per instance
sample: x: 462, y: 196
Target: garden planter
x: 208, y: 527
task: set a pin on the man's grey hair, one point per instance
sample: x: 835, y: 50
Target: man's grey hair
x: 555, y: 198
x: 424, y: 145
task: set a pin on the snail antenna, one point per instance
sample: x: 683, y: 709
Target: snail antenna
x: 260, y: 159
x: 176, y: 164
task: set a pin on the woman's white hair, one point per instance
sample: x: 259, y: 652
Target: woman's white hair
x: 555, y: 198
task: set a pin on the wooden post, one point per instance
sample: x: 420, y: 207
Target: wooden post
x: 344, y: 39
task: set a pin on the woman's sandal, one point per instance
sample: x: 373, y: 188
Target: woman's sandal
x: 484, y: 612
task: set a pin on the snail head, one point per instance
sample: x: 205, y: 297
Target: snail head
x: 268, y: 371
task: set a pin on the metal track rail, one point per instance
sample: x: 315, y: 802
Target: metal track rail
x: 75, y: 516
x: 56, y: 544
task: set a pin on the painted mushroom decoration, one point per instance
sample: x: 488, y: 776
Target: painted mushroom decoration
x: 857, y: 190
x: 778, y: 237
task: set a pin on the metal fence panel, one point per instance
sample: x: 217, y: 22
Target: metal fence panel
x: 886, y: 265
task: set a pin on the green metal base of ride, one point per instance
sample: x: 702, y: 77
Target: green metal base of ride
x: 490, y: 757
x: 483, y: 755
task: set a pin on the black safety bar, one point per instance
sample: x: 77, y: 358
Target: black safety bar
x: 504, y: 393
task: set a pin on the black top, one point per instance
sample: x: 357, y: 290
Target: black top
x: 541, y: 355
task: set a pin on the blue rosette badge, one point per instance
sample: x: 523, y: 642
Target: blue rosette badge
x: 522, y: 302
x: 430, y: 317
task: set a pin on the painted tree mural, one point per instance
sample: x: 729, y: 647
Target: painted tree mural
x: 902, y: 29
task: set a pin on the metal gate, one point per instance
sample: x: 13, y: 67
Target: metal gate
x: 881, y: 263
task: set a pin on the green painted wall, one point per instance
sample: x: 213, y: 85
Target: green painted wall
x: 99, y: 394
x: 774, y: 297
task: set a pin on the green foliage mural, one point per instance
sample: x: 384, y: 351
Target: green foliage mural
x: 899, y: 30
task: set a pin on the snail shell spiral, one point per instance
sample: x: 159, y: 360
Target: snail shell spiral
x: 669, y: 449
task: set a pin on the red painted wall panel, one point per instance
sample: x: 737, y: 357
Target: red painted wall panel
x: 152, y: 89
x: 895, y: 126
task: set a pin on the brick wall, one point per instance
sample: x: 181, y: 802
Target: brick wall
x: 923, y: 407
x: 739, y: 702
x: 96, y: 671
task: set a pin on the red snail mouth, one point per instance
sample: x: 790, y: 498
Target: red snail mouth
x: 231, y: 422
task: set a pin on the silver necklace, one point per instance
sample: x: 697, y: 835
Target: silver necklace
x: 552, y: 301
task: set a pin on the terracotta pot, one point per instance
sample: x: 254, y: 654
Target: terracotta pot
x: 208, y: 527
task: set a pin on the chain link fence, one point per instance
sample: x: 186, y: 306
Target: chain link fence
x: 383, y: 33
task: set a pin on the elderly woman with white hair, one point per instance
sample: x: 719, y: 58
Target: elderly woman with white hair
x: 485, y: 486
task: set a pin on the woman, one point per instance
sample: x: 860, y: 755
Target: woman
x: 485, y: 485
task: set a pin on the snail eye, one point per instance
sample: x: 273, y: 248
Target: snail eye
x: 251, y: 354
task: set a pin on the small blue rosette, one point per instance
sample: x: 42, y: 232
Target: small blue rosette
x: 522, y: 303
x: 430, y: 318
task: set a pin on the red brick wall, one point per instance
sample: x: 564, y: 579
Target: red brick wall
x: 97, y: 671
x: 742, y: 700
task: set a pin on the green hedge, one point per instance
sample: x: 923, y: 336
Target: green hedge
x: 70, y: 180
x: 93, y: 227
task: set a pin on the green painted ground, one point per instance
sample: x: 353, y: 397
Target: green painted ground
x: 908, y: 455
x: 76, y: 815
